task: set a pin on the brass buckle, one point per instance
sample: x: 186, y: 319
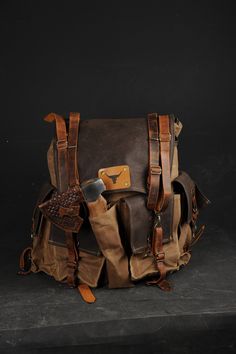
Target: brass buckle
x: 155, y: 169
x: 62, y: 144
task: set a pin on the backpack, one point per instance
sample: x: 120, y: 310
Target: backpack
x: 116, y: 209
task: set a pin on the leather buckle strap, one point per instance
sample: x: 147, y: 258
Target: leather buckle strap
x: 62, y: 160
x: 62, y: 144
x: 72, y: 148
x: 155, y: 169
x: 165, y: 139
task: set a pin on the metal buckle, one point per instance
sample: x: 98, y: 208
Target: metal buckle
x: 62, y: 144
x: 155, y: 169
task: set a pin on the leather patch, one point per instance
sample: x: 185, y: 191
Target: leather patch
x: 115, y: 177
x: 63, y: 209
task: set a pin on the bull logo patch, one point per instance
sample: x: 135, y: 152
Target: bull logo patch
x: 115, y: 177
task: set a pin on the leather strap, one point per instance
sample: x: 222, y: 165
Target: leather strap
x: 72, y: 148
x: 72, y: 262
x: 67, y: 177
x: 154, y: 167
x: 159, y: 194
x: 165, y: 140
x: 86, y: 293
x: 73, y: 257
x: 61, y: 150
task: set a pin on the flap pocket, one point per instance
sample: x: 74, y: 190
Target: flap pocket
x: 137, y: 221
x: 192, y: 199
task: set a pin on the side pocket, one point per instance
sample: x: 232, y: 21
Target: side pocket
x: 192, y: 200
x: 136, y: 220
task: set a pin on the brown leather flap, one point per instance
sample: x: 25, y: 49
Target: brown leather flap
x: 137, y: 220
x: 105, y: 143
x: 112, y: 142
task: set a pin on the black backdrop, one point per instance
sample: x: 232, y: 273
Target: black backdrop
x: 114, y: 59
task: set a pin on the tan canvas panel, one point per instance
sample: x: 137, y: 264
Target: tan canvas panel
x: 106, y: 230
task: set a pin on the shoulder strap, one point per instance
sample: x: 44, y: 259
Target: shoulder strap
x: 159, y: 193
x: 165, y: 140
x: 61, y: 150
x: 154, y: 167
x: 72, y: 148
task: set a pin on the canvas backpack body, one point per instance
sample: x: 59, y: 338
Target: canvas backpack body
x: 144, y: 224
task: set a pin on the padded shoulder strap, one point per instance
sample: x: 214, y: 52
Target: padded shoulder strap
x: 165, y: 140
x: 159, y: 193
x: 72, y: 148
x: 61, y: 150
x: 154, y: 167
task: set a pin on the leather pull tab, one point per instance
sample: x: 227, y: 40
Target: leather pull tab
x: 86, y: 293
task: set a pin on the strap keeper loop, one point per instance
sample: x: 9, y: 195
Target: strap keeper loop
x: 165, y: 137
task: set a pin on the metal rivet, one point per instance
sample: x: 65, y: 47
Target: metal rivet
x: 126, y: 184
x: 124, y: 168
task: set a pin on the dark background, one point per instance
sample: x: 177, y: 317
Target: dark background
x: 117, y: 59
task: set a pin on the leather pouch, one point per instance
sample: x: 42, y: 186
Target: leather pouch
x: 192, y: 199
x: 137, y: 221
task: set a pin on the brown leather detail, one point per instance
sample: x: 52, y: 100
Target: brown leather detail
x: 72, y: 262
x: 115, y: 177
x: 72, y: 148
x: 63, y: 209
x: 61, y: 150
x: 158, y: 198
x: 51, y: 164
x: 137, y: 220
x: 165, y: 140
x: 74, y: 207
x: 25, y: 262
x: 159, y: 257
x: 86, y: 293
x: 125, y: 138
x: 192, y: 200
x: 154, y: 163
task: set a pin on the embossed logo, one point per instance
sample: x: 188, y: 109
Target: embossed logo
x: 113, y: 177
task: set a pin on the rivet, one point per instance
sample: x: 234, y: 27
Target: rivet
x: 126, y: 184
x: 124, y: 168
